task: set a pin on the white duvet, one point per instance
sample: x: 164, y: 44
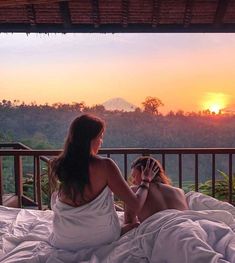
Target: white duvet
x: 168, y: 236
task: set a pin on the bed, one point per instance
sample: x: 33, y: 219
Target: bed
x: 206, y: 233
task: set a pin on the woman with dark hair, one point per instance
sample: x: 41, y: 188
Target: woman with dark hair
x: 84, y: 213
x: 161, y: 195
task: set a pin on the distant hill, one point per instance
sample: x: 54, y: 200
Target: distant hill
x: 118, y: 104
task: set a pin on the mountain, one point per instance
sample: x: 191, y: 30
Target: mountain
x: 118, y: 104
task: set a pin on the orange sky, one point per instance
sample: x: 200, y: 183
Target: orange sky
x: 184, y: 70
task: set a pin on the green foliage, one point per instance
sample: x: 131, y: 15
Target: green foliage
x: 38, y: 141
x: 221, y: 187
x: 28, y: 187
x: 8, y: 175
x: 6, y: 137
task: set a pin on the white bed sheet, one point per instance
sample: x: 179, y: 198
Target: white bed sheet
x: 168, y: 236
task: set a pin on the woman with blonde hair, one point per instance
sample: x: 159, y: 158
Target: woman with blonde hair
x: 161, y: 194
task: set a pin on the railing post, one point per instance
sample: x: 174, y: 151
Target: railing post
x: 230, y: 188
x: 213, y: 175
x: 35, y: 179
x: 180, y: 170
x: 1, y: 182
x: 49, y: 176
x: 196, y: 172
x: 125, y: 166
x: 38, y: 182
x: 18, y: 178
x: 163, y: 161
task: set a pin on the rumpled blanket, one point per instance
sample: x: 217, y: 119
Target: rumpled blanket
x: 206, y: 236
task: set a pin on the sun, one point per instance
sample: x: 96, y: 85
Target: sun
x: 215, y: 102
x: 216, y: 108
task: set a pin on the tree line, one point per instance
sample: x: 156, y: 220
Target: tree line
x: 45, y: 127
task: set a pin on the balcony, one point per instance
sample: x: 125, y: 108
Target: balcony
x: 28, y: 165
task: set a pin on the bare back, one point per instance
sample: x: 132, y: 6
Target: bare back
x: 104, y: 172
x: 98, y: 174
x: 161, y: 197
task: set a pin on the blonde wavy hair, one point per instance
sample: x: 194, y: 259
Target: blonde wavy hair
x: 160, y: 177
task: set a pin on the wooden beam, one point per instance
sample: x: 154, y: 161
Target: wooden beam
x: 16, y: 3
x: 27, y: 201
x: 220, y: 12
x: 188, y: 13
x: 125, y: 13
x: 65, y: 14
x: 31, y: 15
x: 10, y: 200
x: 116, y: 28
x: 156, y: 12
x: 95, y: 13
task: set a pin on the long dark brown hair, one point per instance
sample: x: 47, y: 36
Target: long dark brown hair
x: 160, y: 177
x: 71, y: 167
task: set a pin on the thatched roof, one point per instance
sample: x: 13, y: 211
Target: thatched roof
x: 117, y: 16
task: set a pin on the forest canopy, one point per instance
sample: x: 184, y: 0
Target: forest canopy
x: 45, y: 126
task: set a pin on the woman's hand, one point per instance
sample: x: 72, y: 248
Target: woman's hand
x: 149, y: 172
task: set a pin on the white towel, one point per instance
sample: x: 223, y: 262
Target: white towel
x: 90, y: 225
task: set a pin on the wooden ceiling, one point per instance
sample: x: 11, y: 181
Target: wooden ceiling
x: 113, y: 16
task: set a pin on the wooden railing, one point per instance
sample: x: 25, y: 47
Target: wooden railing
x: 18, y: 150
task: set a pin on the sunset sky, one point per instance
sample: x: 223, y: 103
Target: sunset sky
x: 190, y: 72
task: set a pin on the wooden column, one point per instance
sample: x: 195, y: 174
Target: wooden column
x: 18, y: 178
x: 38, y: 182
x: 96, y: 13
x: 188, y: 13
x: 125, y: 166
x: 125, y: 13
x: 180, y: 171
x: 156, y: 13
x: 220, y: 12
x: 49, y: 176
x: 1, y: 181
x: 65, y: 14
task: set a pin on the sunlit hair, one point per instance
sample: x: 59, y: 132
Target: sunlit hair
x: 71, y: 167
x: 160, y: 177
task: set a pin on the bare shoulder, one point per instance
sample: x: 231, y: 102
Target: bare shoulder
x: 179, y: 190
x: 97, y: 165
x: 178, y: 193
x: 103, y: 163
x: 98, y: 160
x: 98, y: 170
x: 109, y: 163
x: 174, y: 189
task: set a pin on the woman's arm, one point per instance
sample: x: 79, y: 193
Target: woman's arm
x: 130, y: 216
x: 119, y: 186
x: 130, y: 219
